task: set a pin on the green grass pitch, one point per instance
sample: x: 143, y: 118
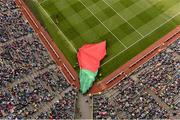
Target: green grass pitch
x: 128, y: 26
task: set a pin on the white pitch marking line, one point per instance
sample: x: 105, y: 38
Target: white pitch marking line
x: 123, y: 18
x: 141, y: 39
x: 102, y: 23
x: 42, y: 1
x: 57, y: 27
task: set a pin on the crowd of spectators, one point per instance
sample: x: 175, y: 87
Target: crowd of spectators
x: 135, y: 105
x: 129, y: 89
x: 12, y: 24
x: 170, y: 93
x: 160, y: 70
x: 21, y: 57
x: 27, y: 97
x: 24, y: 88
x: 130, y: 101
x: 143, y: 107
x: 103, y: 109
x: 21, y: 54
x: 175, y: 47
x: 160, y: 75
x: 55, y: 80
x: 63, y: 108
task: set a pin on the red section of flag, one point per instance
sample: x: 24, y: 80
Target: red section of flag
x: 90, y: 55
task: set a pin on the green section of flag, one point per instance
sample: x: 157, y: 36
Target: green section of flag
x: 86, y: 79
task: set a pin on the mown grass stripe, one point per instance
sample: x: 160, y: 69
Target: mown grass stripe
x: 140, y: 39
x: 122, y: 18
x: 103, y: 24
x: 57, y: 27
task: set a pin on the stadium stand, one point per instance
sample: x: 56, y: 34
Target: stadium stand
x: 32, y: 86
x: 30, y: 82
x: 152, y: 91
x: 63, y: 108
x: 103, y: 109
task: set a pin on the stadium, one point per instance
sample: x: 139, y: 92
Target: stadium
x: 90, y: 59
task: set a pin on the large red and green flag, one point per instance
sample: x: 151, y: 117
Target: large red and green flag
x: 89, y: 57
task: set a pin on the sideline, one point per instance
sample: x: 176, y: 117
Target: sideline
x: 122, y: 72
